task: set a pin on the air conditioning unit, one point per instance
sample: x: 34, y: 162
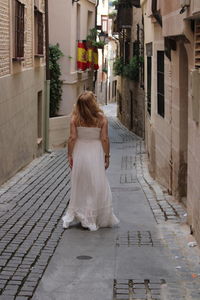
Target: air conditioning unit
x: 184, y: 3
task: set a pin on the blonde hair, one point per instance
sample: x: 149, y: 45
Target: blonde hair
x: 87, y: 111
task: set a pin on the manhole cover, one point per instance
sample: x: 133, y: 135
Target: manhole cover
x: 84, y: 257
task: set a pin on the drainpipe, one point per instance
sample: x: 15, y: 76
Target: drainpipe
x: 47, y: 81
x: 95, y: 72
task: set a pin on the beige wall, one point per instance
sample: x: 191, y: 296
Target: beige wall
x: 59, y: 128
x: 63, y: 30
x: 173, y: 142
x: 20, y: 83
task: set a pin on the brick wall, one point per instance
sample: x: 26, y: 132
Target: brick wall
x: 131, y: 105
x: 4, y: 38
x: 21, y: 94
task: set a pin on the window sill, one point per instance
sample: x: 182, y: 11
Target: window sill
x: 39, y: 55
x: 18, y: 59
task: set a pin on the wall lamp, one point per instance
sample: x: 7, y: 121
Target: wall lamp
x: 183, y: 9
x: 74, y: 1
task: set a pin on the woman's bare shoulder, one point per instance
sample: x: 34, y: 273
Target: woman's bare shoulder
x: 103, y: 120
x: 73, y: 119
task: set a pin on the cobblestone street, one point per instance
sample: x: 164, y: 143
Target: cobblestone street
x: 146, y: 257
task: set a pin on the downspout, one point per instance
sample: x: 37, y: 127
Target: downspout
x: 96, y: 10
x: 47, y: 81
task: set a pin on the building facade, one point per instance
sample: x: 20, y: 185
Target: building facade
x: 172, y: 62
x: 130, y: 85
x: 22, y: 84
x: 70, y: 22
x: 106, y: 81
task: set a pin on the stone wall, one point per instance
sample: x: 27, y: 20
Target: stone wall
x: 130, y: 98
x: 22, y: 95
x: 4, y: 38
x: 173, y: 142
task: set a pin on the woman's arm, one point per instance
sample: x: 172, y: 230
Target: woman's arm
x: 105, y: 141
x: 71, y: 141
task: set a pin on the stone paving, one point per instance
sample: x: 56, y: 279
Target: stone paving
x: 34, y: 200
x: 31, y: 205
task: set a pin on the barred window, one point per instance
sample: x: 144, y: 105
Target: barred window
x: 39, y: 32
x: 19, y: 30
x: 160, y: 83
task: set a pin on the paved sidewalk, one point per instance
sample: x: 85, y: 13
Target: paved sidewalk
x: 146, y: 257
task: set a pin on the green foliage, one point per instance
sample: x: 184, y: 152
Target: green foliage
x: 55, y: 83
x: 115, y: 3
x: 92, y: 35
x: 112, y: 15
x: 130, y: 70
x: 118, y: 66
x: 91, y: 39
x: 105, y: 70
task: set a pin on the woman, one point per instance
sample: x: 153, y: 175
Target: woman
x: 88, y: 155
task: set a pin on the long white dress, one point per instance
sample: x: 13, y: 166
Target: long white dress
x: 91, y: 198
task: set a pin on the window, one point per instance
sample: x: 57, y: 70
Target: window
x: 39, y: 32
x: 149, y: 53
x: 126, y: 52
x: 89, y: 21
x: 78, y: 13
x: 149, y: 74
x: 114, y: 88
x: 18, y: 50
x: 160, y: 84
x: 104, y: 23
x: 136, y: 48
x: 39, y: 115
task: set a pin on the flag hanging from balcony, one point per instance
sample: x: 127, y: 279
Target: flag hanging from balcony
x: 95, y: 58
x: 82, y: 56
x: 90, y: 59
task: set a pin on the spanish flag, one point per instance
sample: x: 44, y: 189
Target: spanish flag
x: 82, y: 56
x: 95, y: 58
x: 90, y: 59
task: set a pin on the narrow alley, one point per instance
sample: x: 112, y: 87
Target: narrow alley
x: 148, y: 256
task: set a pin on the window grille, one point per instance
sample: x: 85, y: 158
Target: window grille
x: 149, y: 80
x: 39, y: 32
x: 160, y: 84
x: 19, y: 30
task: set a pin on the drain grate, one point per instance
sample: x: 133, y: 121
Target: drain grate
x: 137, y: 238
x: 84, y: 257
x: 132, y: 289
x: 127, y: 163
x: 127, y: 178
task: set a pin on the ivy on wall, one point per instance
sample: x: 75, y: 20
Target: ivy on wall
x: 55, y: 83
x: 129, y: 70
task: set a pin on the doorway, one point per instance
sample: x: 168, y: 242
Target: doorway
x: 183, y: 125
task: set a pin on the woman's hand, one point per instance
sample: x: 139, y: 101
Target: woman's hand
x: 107, y: 162
x: 70, y: 159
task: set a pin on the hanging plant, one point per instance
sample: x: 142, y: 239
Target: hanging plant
x: 105, y: 70
x: 112, y: 15
x: 91, y: 39
x: 130, y: 70
x: 55, y: 83
x: 118, y: 66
